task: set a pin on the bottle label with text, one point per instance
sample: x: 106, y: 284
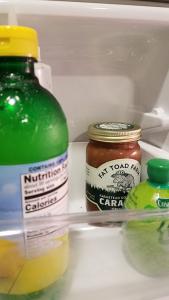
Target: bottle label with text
x: 108, y: 185
x: 35, y: 190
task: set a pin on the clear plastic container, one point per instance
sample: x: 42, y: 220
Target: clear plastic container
x: 91, y: 262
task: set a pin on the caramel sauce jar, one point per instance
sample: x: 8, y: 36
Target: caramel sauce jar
x: 113, y: 164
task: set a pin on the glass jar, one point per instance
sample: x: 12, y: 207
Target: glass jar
x: 113, y: 158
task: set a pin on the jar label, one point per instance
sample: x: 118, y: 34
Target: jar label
x: 35, y: 190
x: 108, y: 185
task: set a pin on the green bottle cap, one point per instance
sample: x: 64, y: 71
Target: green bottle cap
x: 158, y: 170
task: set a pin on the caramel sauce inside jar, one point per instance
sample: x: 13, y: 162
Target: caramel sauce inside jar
x: 113, y: 167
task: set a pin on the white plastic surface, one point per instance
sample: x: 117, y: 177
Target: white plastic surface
x: 44, y: 74
x: 98, y: 270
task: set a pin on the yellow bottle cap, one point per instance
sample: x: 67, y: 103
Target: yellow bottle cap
x: 18, y: 41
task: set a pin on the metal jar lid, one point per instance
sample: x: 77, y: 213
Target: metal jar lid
x: 115, y: 132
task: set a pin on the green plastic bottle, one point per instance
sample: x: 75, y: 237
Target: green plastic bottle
x: 146, y: 243
x: 33, y: 169
x: 154, y: 192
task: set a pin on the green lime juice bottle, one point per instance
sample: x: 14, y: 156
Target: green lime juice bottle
x: 146, y: 243
x: 33, y: 170
x: 154, y: 192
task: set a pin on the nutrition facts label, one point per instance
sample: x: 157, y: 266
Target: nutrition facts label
x: 44, y: 192
x: 35, y: 190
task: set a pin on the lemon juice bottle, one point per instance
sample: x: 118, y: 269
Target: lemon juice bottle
x: 33, y: 169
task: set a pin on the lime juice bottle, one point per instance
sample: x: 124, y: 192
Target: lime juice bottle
x: 146, y: 242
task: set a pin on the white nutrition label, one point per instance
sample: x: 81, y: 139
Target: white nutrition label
x: 45, y: 192
x: 35, y: 190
